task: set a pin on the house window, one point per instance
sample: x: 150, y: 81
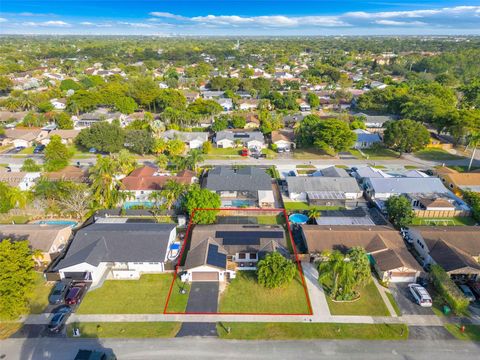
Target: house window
x: 253, y: 256
x: 242, y: 256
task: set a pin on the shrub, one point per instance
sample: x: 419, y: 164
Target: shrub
x: 448, y: 290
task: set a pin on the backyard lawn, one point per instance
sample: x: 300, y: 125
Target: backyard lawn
x: 245, y: 295
x: 39, y: 298
x: 298, y: 331
x: 370, y: 303
x: 299, y: 205
x: 266, y: 220
x: 144, y: 296
x: 471, y: 333
x: 459, y: 221
x: 437, y: 154
x: 125, y: 329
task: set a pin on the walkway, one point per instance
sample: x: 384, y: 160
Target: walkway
x: 383, y: 294
x: 317, y: 295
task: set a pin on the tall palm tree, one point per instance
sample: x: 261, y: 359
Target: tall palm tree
x: 125, y: 161
x: 193, y: 158
x: 339, y: 270
x: 11, y: 104
x: 105, y: 182
x: 474, y: 141
x: 172, y: 192
x: 313, y: 214
x: 26, y: 101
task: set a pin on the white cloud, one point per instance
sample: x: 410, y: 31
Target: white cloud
x: 136, y: 25
x: 413, y: 13
x: 168, y: 15
x: 55, y: 23
x: 271, y: 21
x: 87, y: 23
x: 3, y: 20
x: 50, y: 23
x: 399, y: 23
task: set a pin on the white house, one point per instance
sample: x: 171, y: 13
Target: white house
x: 230, y: 139
x: 226, y: 104
x: 117, y: 251
x: 59, y: 104
x: 194, y: 140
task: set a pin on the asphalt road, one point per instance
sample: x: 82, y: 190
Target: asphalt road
x: 201, y: 348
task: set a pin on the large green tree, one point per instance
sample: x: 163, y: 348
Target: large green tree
x: 103, y: 137
x: 399, y: 210
x: 406, y: 136
x: 57, y: 155
x: 17, y: 278
x: 198, y: 198
x: 139, y: 141
x: 275, y: 270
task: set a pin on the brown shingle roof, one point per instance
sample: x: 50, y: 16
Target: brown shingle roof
x: 70, y: 173
x: 284, y: 134
x: 383, y: 242
x: 464, y: 179
x: 464, y: 238
x: 40, y: 237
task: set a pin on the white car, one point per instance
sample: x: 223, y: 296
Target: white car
x: 420, y: 295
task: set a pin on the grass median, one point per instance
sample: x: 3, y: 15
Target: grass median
x: 308, y: 331
x: 125, y: 329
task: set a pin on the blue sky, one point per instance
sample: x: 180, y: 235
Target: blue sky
x: 234, y: 17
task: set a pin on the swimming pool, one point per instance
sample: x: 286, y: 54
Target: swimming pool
x: 58, y: 222
x: 298, y: 218
x: 238, y: 203
x: 138, y: 204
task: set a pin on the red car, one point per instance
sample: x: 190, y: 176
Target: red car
x: 74, y: 294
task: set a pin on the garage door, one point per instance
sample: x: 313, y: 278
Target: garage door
x: 403, y: 277
x: 205, y: 276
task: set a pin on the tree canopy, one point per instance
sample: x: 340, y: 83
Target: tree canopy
x: 198, y: 198
x: 275, y: 270
x: 406, y: 136
x: 399, y: 210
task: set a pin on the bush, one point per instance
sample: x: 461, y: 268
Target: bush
x: 448, y: 290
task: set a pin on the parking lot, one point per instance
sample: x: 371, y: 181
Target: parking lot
x: 405, y: 302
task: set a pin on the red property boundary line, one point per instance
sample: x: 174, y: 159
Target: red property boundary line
x: 299, y: 266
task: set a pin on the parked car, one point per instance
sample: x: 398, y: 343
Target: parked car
x: 467, y: 292
x: 75, y: 294
x: 475, y: 286
x: 92, y: 150
x: 38, y: 149
x: 420, y: 295
x: 60, y: 316
x: 57, y: 295
x: 94, y: 355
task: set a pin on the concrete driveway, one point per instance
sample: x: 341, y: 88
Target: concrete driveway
x: 405, y: 302
x: 203, y: 297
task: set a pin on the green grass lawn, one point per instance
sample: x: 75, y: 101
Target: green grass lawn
x: 305, y: 331
x: 178, y: 301
x: 410, y: 167
x: 14, y: 219
x: 27, y: 151
x: 266, y: 220
x: 375, y: 154
x: 39, y: 298
x: 472, y: 332
x: 245, y: 295
x: 125, y: 329
x: 299, y: 205
x: 437, y: 154
x: 394, y: 303
x: 7, y: 329
x: 458, y: 221
x: 305, y: 166
x: 311, y: 153
x: 144, y: 296
x: 222, y: 153
x: 370, y: 303
x: 270, y: 153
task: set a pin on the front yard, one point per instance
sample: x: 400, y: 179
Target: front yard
x: 144, y: 296
x: 471, y: 333
x: 302, y: 331
x: 245, y: 295
x: 125, y: 329
x: 39, y: 298
x: 437, y: 154
x: 310, y: 153
x: 369, y: 304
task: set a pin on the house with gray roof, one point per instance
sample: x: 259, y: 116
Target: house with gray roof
x: 366, y: 139
x: 194, y: 140
x: 111, y: 250
x: 218, y: 251
x: 375, y: 122
x: 248, y: 186
x: 249, y: 139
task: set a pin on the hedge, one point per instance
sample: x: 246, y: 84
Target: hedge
x: 448, y: 290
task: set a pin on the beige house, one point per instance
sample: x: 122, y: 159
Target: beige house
x: 47, y: 240
x: 23, y: 137
x: 67, y: 136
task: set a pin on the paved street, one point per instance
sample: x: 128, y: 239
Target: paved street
x: 196, y: 348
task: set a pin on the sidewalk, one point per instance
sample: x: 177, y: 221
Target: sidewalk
x: 317, y: 295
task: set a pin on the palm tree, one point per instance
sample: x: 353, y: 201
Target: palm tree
x: 125, y: 161
x: 339, y: 270
x: 105, y: 182
x: 193, y: 158
x: 172, y: 192
x: 11, y: 104
x: 26, y: 101
x: 313, y: 214
x: 474, y: 141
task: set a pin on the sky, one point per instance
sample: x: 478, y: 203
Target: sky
x: 240, y: 17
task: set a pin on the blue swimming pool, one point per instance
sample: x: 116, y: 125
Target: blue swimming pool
x: 238, y: 203
x: 138, y: 204
x: 298, y: 218
x: 58, y: 222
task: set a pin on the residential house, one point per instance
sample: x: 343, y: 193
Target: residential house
x: 212, y: 95
x: 459, y: 182
x: 218, y: 251
x: 22, y: 180
x: 46, y: 240
x: 114, y: 250
x: 247, y: 104
x: 252, y: 122
x: 231, y: 139
x: 366, y: 139
x: 194, y: 140
x: 144, y: 181
x: 292, y: 120
x: 67, y: 136
x: 244, y: 187
x: 101, y: 114
x: 384, y: 245
x: 428, y: 196
x: 225, y: 103
x: 23, y: 137
x: 284, y: 139
x: 455, y: 248
x: 304, y: 106
x: 59, y: 104
x: 375, y: 122
x: 12, y: 116
x: 329, y: 187
x: 191, y: 96
x: 68, y: 173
